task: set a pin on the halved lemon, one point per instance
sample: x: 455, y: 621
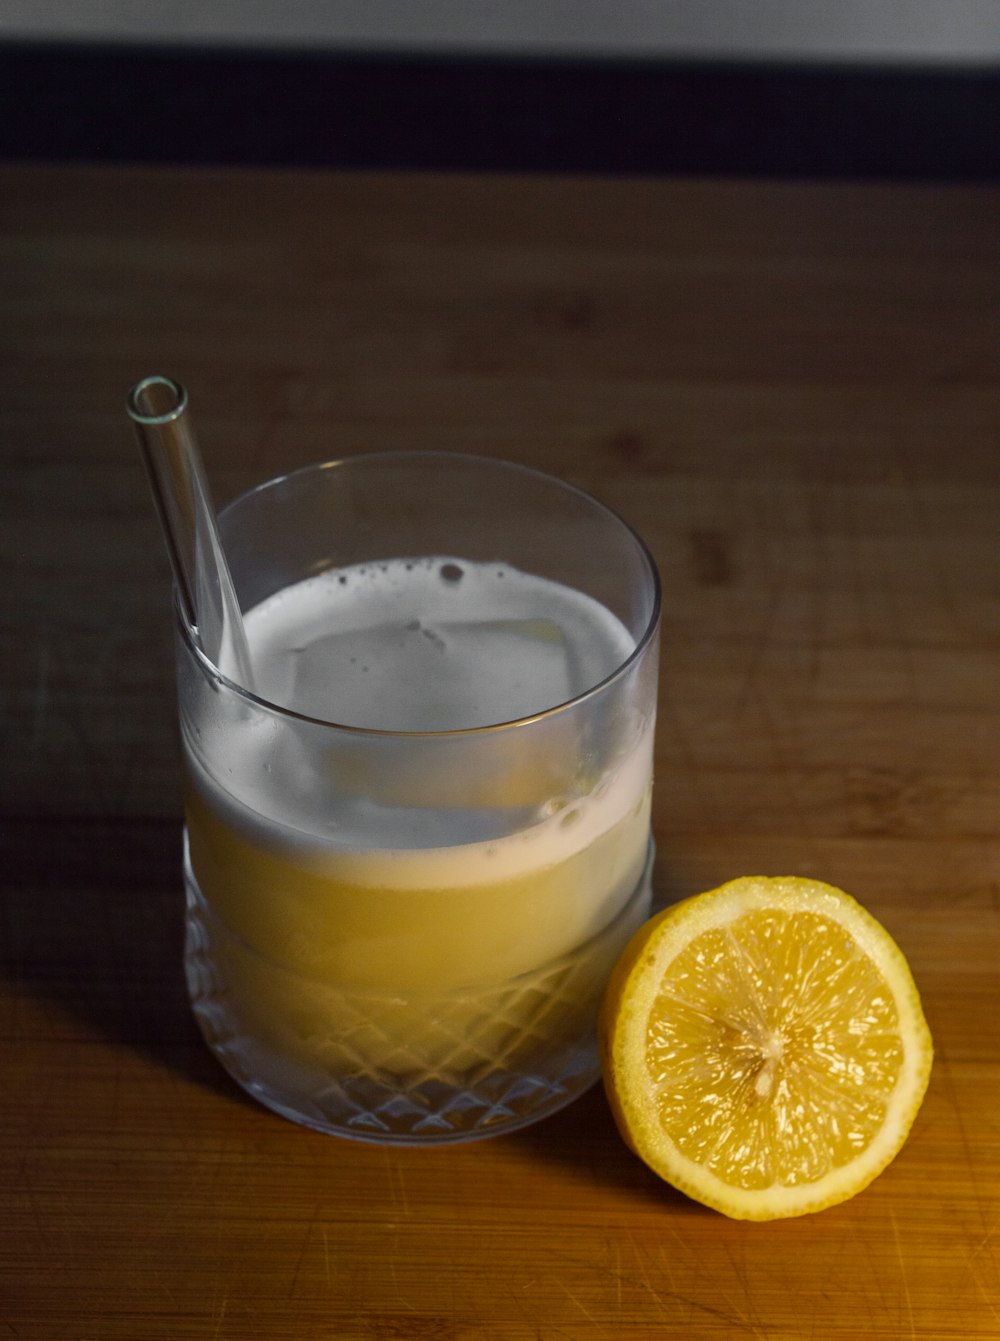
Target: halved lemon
x: 764, y: 1047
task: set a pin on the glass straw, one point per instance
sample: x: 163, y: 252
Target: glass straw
x: 158, y: 407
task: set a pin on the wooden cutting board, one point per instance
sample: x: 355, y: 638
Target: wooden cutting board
x: 793, y: 392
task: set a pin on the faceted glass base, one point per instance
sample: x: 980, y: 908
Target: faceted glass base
x: 429, y: 1068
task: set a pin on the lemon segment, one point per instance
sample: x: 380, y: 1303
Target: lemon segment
x: 764, y: 1047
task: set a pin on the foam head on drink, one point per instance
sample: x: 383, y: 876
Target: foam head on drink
x: 346, y: 875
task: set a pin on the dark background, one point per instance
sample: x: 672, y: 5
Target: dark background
x: 343, y: 110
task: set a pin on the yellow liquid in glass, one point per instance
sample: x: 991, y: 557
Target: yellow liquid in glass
x: 354, y: 975
x: 306, y: 950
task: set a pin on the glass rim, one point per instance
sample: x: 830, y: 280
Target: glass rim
x: 190, y: 633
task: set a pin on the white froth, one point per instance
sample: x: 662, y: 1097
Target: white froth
x: 433, y: 644
x: 376, y: 643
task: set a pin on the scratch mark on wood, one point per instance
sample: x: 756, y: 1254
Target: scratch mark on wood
x: 644, y: 1280
x: 397, y: 1187
x: 985, y: 1262
x: 981, y: 1245
x: 902, y: 1272
x: 248, y: 1314
x: 987, y: 1300
x: 406, y: 1303
x: 293, y: 1285
x: 671, y: 1299
x: 573, y: 1299
x: 222, y: 1315
x: 943, y: 1063
x: 745, y: 1313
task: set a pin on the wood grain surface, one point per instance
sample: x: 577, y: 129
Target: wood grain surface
x: 793, y: 391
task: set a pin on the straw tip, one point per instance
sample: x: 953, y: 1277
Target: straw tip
x: 156, y: 400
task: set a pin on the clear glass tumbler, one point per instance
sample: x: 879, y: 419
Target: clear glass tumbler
x: 414, y: 852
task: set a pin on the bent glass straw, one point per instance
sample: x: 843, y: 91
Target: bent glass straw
x: 158, y: 407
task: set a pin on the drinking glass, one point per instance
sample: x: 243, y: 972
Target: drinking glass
x: 415, y: 849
